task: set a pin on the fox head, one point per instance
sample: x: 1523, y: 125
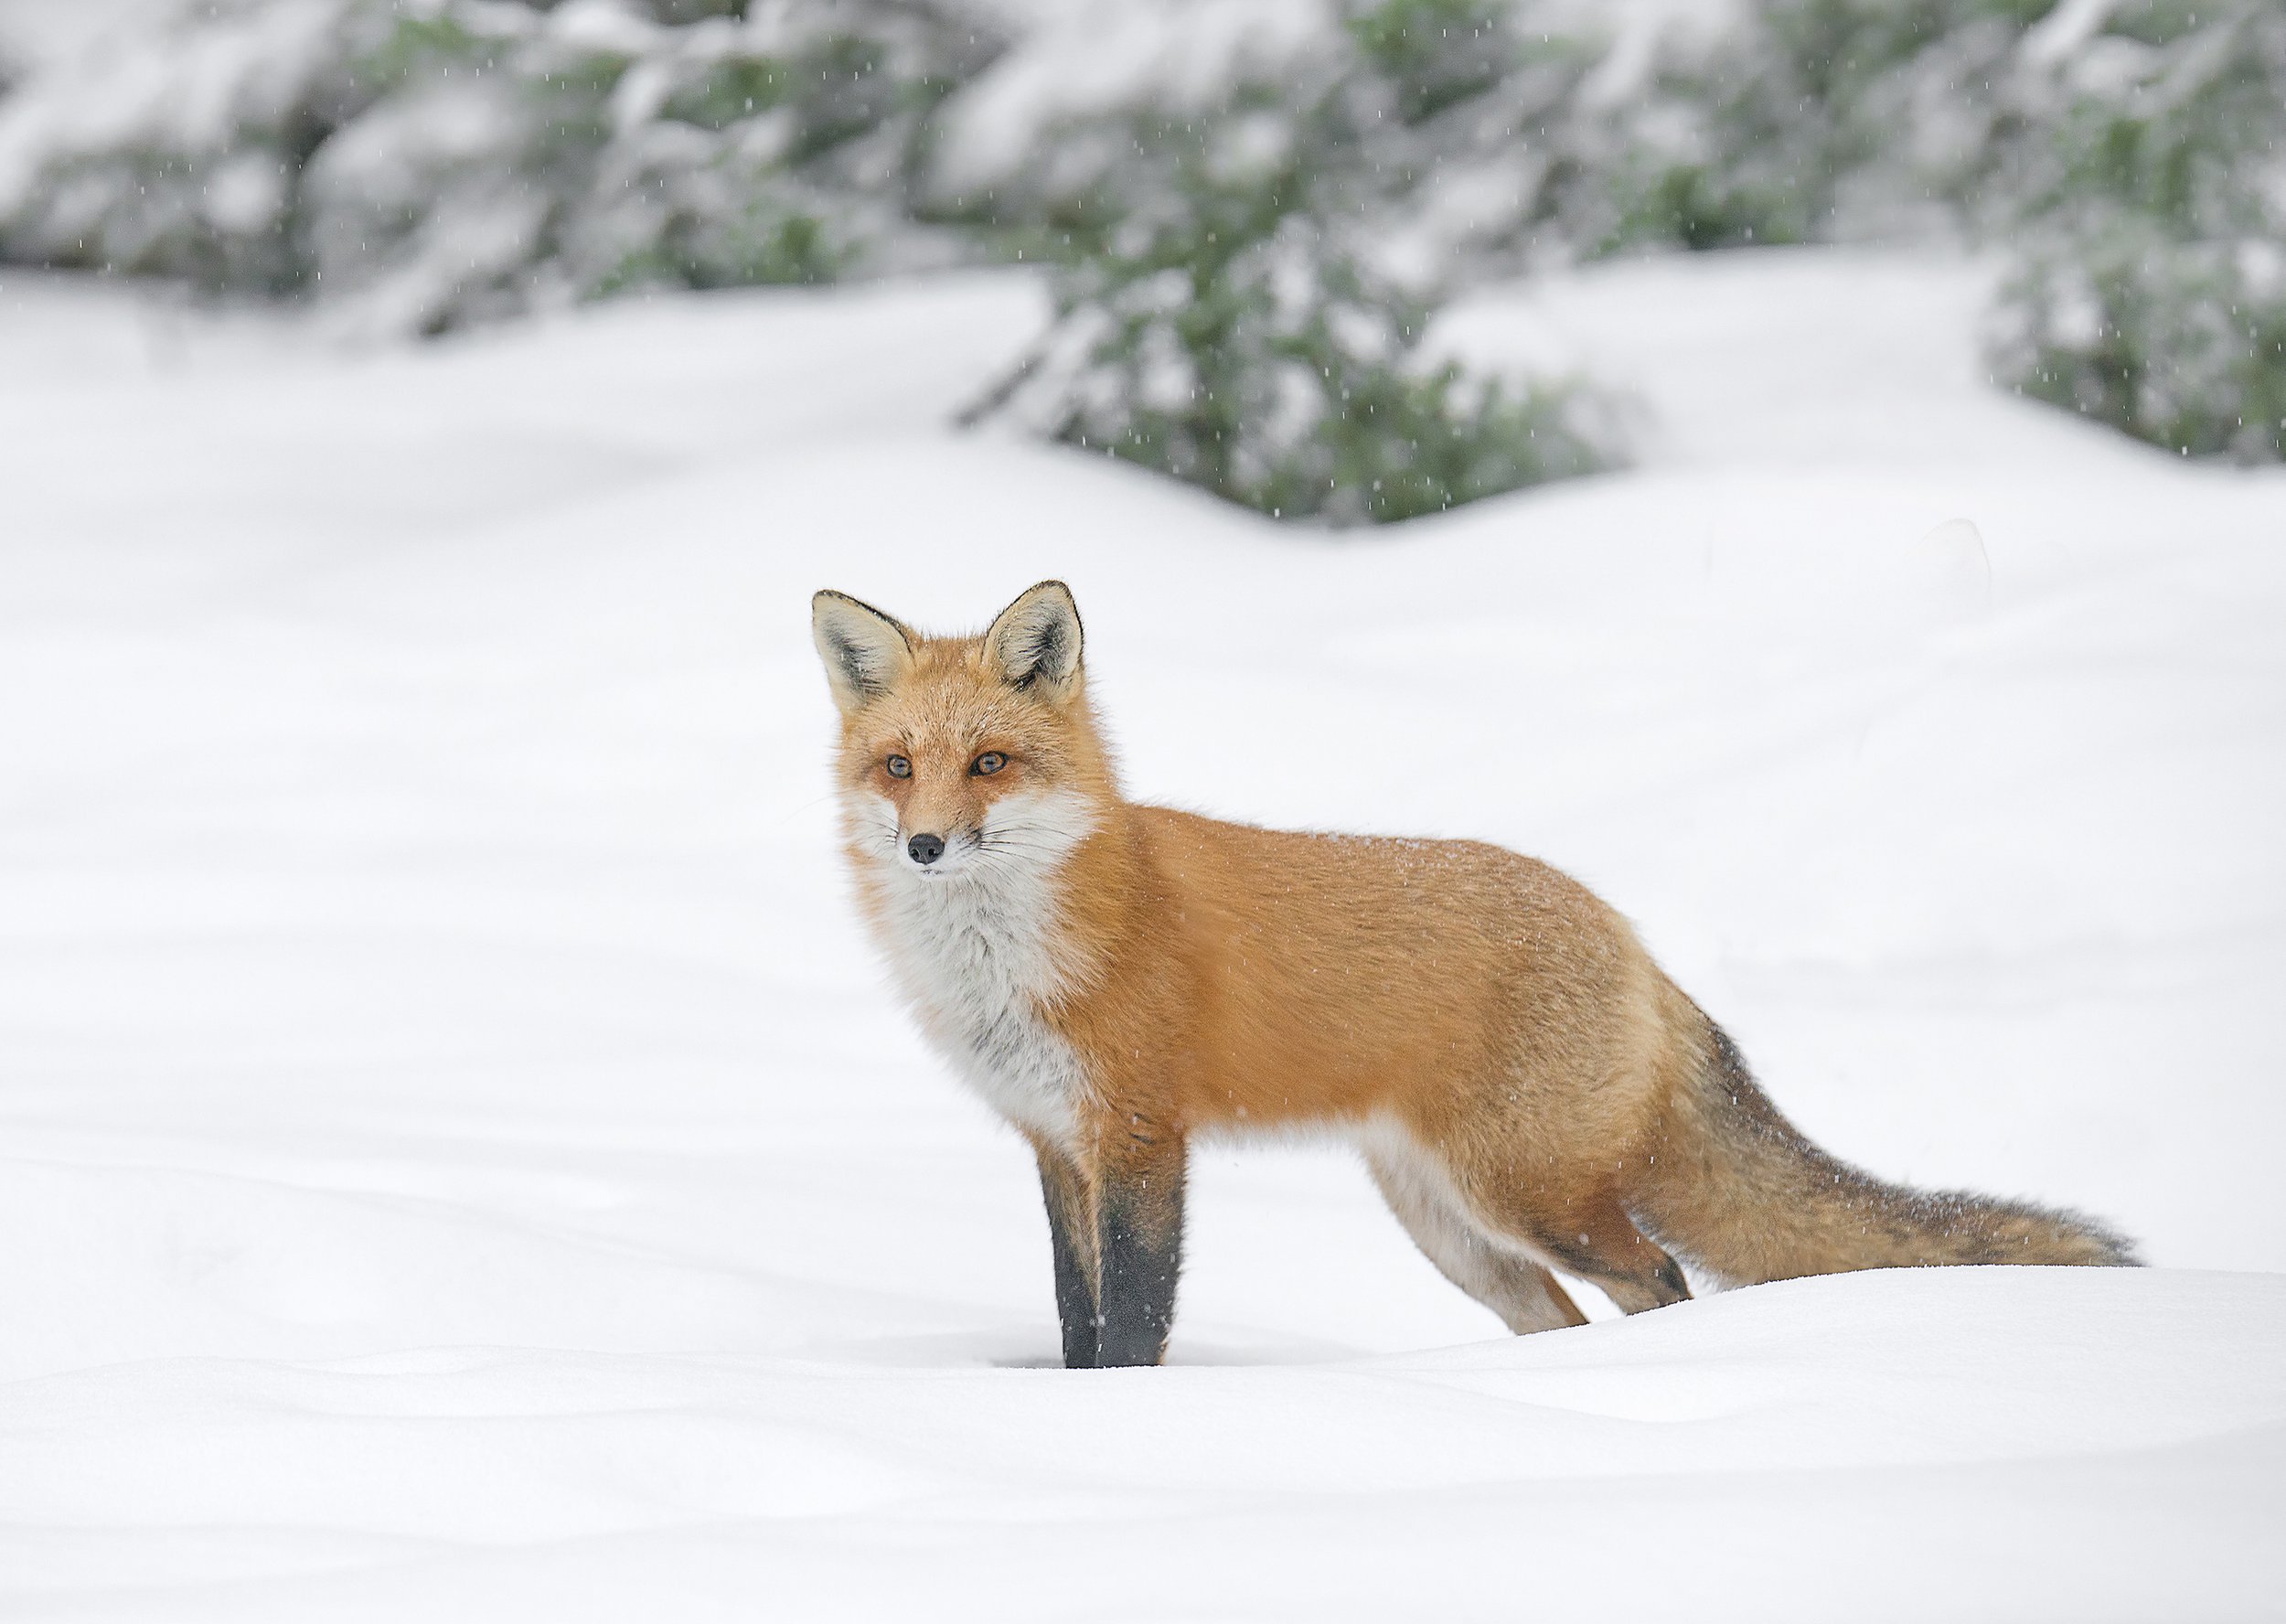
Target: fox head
x: 963, y: 757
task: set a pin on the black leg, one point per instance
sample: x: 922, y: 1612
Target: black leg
x: 1139, y: 1208
x: 1070, y: 1230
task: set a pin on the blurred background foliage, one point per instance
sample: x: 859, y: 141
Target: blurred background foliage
x: 1249, y: 209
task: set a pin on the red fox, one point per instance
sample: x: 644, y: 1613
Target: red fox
x: 1530, y: 1092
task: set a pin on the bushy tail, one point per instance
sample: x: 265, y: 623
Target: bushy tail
x: 1738, y: 1191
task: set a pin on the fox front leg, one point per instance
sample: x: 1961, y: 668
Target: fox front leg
x: 1138, y: 1228
x: 1072, y: 1240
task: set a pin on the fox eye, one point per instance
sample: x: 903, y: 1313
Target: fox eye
x: 989, y: 762
x: 899, y: 767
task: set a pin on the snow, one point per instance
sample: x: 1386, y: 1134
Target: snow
x: 1072, y: 59
x: 36, y: 32
x: 150, y: 87
x: 463, y: 1161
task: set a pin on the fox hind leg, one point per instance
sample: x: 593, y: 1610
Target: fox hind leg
x: 1595, y: 1239
x: 1524, y: 1294
x: 1580, y: 1228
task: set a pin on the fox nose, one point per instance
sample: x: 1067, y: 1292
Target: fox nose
x: 926, y: 848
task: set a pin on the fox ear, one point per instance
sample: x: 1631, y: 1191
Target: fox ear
x: 865, y: 651
x: 1035, y: 643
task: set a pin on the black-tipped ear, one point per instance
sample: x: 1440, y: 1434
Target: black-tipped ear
x: 866, y: 653
x: 1035, y: 642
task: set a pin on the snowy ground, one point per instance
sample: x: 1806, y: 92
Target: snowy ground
x: 460, y: 1161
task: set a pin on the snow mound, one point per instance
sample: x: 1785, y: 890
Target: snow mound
x: 2000, y: 1444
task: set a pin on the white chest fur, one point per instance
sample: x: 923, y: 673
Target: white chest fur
x: 975, y: 953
